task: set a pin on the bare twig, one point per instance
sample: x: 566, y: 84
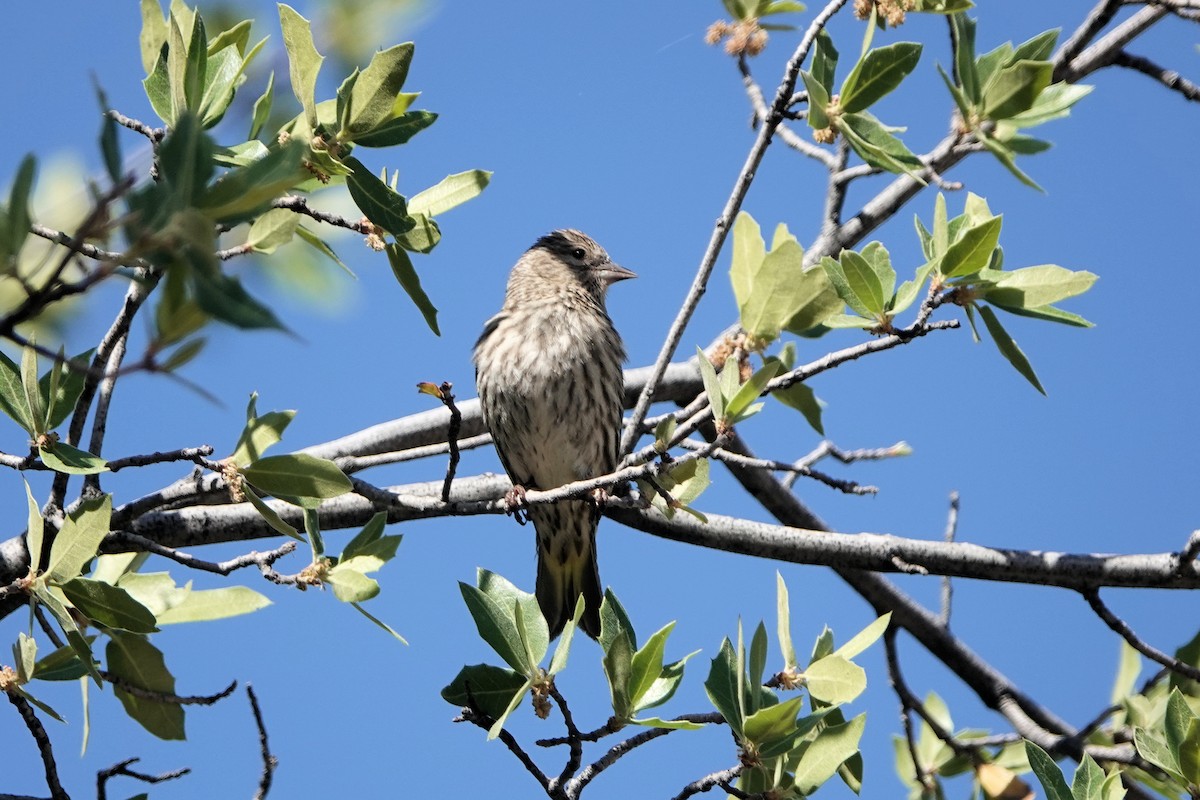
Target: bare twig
x: 1097, y: 18
x: 1167, y: 77
x: 193, y: 454
x: 1123, y: 630
x: 575, y: 741
x: 38, y: 732
x: 167, y: 697
x: 444, y: 394
x: 947, y: 587
x: 122, y: 768
x: 741, y: 185
x: 485, y: 722
x: 910, y: 702
x: 721, y: 779
x: 269, y: 762
x: 124, y: 540
x: 300, y: 205
x: 351, y: 464
x: 155, y: 135
x: 614, y: 754
x: 848, y: 487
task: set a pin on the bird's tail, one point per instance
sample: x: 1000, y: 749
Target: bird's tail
x: 567, y: 566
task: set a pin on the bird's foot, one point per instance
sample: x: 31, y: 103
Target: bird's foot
x: 515, y: 505
x: 599, y: 496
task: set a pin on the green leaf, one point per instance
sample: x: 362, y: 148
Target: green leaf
x: 272, y: 229
x: 133, y: 658
x: 322, y: 247
x: 1006, y: 157
x: 35, y: 529
x: 109, y: 605
x: 153, y: 34
x: 33, y: 397
x: 818, y: 101
x: 1048, y: 773
x: 262, y: 108
x: 751, y: 390
x: 380, y: 623
x: 1032, y: 287
x: 1054, y: 102
x: 269, y: 514
x: 297, y: 475
x: 451, y: 191
x: 712, y: 385
x: 203, y: 605
x: 773, y: 723
x: 618, y: 666
x: 874, y: 143
x: 13, y: 400
x: 668, y: 724
x: 485, y: 688
x: 864, y: 638
x: 783, y: 625
x: 244, y: 193
x: 304, y: 62
x: 973, y: 249
x: 1008, y: 347
x: 880, y: 261
x: 260, y: 433
x: 832, y: 747
x: 406, y: 275
x: 424, y: 236
x: 835, y: 680
x: 646, y: 665
x: 351, y: 585
x: 220, y: 82
x: 864, y: 283
x: 1015, y: 88
x: 378, y: 201
x: 963, y: 28
x: 225, y: 299
x: 79, y: 539
x: 62, y: 457
x: 558, y: 661
x: 497, y: 627
x: 825, y: 58
x: 614, y: 622
x: 63, y: 664
x: 60, y: 396
x: 396, y: 131
x: 877, y: 73
x: 531, y: 625
x: 18, y: 209
x: 665, y: 684
x: 374, y: 94
x: 722, y: 688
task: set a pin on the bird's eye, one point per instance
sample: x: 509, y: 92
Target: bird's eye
x: 578, y: 253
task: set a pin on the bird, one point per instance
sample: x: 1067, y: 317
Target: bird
x: 548, y: 369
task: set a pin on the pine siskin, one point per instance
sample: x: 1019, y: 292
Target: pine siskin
x: 548, y: 371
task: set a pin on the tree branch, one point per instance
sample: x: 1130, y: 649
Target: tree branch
x: 38, y: 732
x: 1167, y: 77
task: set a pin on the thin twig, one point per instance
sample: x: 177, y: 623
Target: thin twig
x: 721, y: 779
x: 351, y: 464
x: 724, y: 222
x: 122, y: 768
x: 269, y: 762
x: 911, y: 702
x: 1167, y: 77
x: 40, y: 737
x: 166, y: 697
x: 124, y: 540
x: 47, y: 628
x: 155, y: 135
x: 1097, y: 18
x: 947, y: 587
x: 193, y: 454
x: 485, y: 722
x: 300, y: 206
x: 614, y: 754
x: 444, y: 394
x: 721, y: 454
x: 1123, y: 630
x: 575, y: 739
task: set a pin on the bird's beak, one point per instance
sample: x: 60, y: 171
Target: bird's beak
x: 610, y: 273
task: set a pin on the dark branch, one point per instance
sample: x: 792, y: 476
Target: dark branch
x: 122, y: 768
x: 38, y: 732
x: 269, y: 762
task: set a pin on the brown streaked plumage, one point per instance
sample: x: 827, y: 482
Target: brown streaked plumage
x: 548, y: 370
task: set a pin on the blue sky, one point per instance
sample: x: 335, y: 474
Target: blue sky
x: 617, y: 119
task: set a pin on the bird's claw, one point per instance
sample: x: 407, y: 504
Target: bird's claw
x: 515, y: 505
x: 600, y: 496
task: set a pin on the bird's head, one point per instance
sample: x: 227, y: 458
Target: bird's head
x: 569, y: 258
